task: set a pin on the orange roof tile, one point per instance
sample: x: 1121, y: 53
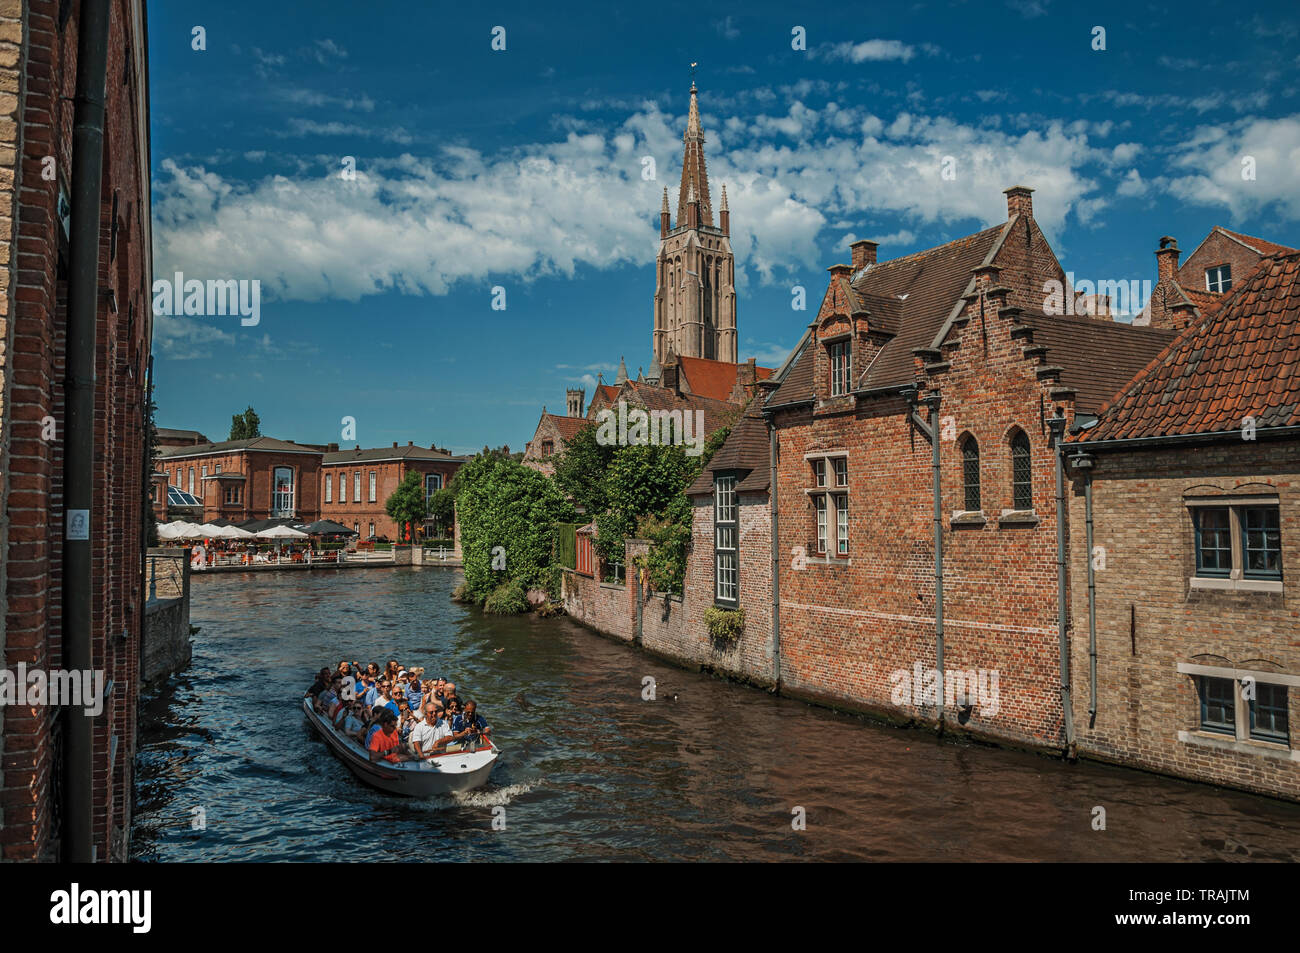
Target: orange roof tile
x: 1241, y: 361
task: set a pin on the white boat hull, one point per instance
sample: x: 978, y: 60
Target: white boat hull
x: 443, y: 774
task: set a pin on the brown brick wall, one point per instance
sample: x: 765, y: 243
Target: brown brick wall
x: 40, y: 83
x: 1217, y: 249
x: 1149, y: 619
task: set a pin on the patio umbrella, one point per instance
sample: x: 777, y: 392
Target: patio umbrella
x: 327, y: 528
x: 281, y: 532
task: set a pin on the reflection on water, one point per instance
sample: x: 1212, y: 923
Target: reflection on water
x: 589, y: 771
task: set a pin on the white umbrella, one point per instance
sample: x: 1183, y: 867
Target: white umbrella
x: 207, y: 529
x: 168, y: 530
x: 281, y: 532
x: 236, y: 532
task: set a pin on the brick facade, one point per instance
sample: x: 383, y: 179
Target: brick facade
x: 1151, y: 619
x: 37, y: 85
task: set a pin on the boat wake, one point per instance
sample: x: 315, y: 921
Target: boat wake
x: 495, y: 797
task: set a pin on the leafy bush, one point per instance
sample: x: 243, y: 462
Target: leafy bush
x: 508, y: 513
x: 461, y: 594
x: 725, y: 625
x: 669, y: 536
x: 509, y: 598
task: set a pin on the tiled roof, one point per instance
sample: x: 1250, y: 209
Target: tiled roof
x: 745, y: 451
x: 1206, y: 301
x: 1097, y: 358
x: 911, y: 297
x: 717, y: 413
x: 1242, y: 361
x: 715, y: 379
x: 231, y: 446
x: 567, y: 427
x: 389, y: 453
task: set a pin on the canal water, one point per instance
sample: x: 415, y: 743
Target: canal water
x: 590, y: 771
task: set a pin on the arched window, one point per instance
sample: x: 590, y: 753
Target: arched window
x: 970, y: 474
x: 1022, y: 493
x: 282, y: 492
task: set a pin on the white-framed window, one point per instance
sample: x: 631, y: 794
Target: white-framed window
x: 356, y: 527
x: 432, y: 483
x: 203, y: 472
x: 820, y: 503
x: 372, y: 486
x: 726, y: 531
x: 191, y: 481
x: 1241, y: 707
x: 329, y: 488
x: 356, y: 486
x: 343, y: 486
x: 218, y: 470
x: 282, y: 492
x: 1218, y: 278
x: 372, y: 528
x: 839, y: 355
x: 829, y: 495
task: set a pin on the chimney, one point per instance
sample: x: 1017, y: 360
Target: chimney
x: 864, y: 253
x: 1167, y: 258
x: 1019, y: 201
x: 840, y: 271
x: 394, y: 444
x: 332, y: 448
x: 410, y: 443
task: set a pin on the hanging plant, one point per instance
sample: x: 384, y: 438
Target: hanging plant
x: 725, y: 625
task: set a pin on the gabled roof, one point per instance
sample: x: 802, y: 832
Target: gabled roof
x: 1242, y: 361
x: 717, y: 413
x: 926, y: 287
x: 1097, y: 358
x: 1261, y: 245
x: 714, y: 379
x: 745, y: 452
x: 266, y: 444
x: 567, y: 427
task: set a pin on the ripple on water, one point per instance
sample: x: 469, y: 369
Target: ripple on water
x: 590, y: 771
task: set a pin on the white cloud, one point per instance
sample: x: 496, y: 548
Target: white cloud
x: 1212, y: 162
x: 867, y: 51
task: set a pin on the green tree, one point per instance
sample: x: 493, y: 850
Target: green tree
x: 507, y: 516
x: 641, y: 481
x: 442, y: 508
x: 245, y: 426
x: 580, y: 470
x: 407, y: 503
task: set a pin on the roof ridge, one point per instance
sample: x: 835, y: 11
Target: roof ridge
x: 876, y: 268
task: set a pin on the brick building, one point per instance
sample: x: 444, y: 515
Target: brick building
x: 355, y: 484
x: 63, y: 794
x: 1183, y: 294
x: 265, y: 478
x: 241, y: 480
x: 1190, y: 485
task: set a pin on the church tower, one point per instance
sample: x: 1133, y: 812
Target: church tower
x: 695, y: 277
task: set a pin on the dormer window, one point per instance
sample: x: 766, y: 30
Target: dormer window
x: 839, y: 356
x: 1218, y: 278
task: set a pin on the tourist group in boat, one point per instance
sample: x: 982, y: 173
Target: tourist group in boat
x: 396, y: 714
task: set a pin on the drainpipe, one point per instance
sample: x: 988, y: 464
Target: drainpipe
x: 776, y: 557
x: 79, y: 422
x: 931, y: 430
x: 1085, y: 462
x: 1057, y: 424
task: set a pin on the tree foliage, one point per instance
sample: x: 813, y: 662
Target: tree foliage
x: 407, y: 502
x: 245, y: 426
x: 507, y: 515
x: 580, y: 470
x: 442, y: 507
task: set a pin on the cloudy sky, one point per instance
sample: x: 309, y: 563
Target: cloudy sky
x: 526, y: 169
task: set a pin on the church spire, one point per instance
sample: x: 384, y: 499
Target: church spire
x: 622, y: 372
x: 694, y: 174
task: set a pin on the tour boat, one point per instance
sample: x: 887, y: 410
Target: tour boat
x: 442, y: 774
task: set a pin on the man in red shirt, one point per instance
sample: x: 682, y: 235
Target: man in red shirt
x: 386, y: 743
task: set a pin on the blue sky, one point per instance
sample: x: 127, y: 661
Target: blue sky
x: 524, y: 169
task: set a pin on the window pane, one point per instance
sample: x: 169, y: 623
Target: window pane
x: 842, y: 524
x: 1268, y: 713
x: 1218, y: 704
x: 1213, y: 542
x: 819, y: 471
x: 821, y: 524
x: 841, y: 471
x: 970, y: 468
x: 1021, y: 482
x: 1263, y: 541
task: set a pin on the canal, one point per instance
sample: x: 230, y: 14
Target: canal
x: 590, y: 771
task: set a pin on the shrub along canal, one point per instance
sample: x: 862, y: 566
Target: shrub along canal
x: 708, y: 771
